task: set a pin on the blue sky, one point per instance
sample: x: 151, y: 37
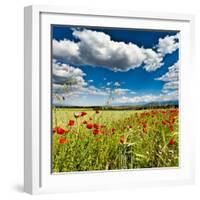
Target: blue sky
x: 91, y: 65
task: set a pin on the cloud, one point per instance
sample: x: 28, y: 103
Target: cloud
x: 108, y: 83
x: 171, y: 85
x: 66, y: 49
x: 120, y: 91
x: 117, y: 84
x: 106, y: 91
x: 67, y: 80
x: 92, y: 90
x: 170, y: 78
x: 168, y: 45
x: 153, y: 61
x: 99, y: 50
x: 172, y: 74
x: 148, y: 98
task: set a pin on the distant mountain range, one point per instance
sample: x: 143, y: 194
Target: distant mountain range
x: 145, y: 105
x: 162, y: 103
x: 154, y: 103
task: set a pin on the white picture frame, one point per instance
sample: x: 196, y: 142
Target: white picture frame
x: 37, y: 142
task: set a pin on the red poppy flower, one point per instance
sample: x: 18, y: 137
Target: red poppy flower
x: 62, y: 140
x: 173, y: 120
x: 171, y: 128
x: 84, y: 122
x: 171, y: 142
x: 113, y: 130
x: 60, y: 131
x: 71, y: 122
x: 83, y: 114
x: 89, y: 126
x: 122, y: 140
x: 144, y: 130
x: 96, y: 126
x: 96, y: 132
x: 144, y: 125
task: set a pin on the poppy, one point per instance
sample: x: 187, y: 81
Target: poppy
x: 83, y: 114
x: 89, y: 126
x: 96, y: 131
x: 60, y: 131
x: 171, y: 142
x: 90, y: 118
x: 96, y: 126
x: 62, y: 140
x: 84, y: 122
x: 71, y: 122
x: 77, y: 114
x: 144, y: 125
x: 173, y: 120
x: 144, y: 130
x: 171, y: 128
x: 97, y: 111
x: 113, y: 130
x: 122, y: 140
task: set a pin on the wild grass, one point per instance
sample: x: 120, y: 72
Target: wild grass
x: 109, y: 140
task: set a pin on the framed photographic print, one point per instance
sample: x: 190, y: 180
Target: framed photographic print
x: 107, y: 99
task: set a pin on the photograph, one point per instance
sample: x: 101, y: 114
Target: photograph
x: 114, y: 98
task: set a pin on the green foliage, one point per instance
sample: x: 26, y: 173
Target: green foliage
x: 126, y: 140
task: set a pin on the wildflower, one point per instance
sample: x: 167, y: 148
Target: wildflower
x: 96, y: 126
x: 173, y: 120
x: 83, y: 114
x: 71, y: 122
x: 60, y: 131
x: 96, y: 132
x: 63, y: 140
x: 113, y: 130
x: 171, y: 128
x: 122, y: 140
x: 89, y: 126
x: 84, y: 122
x: 171, y: 142
x: 97, y: 111
x: 144, y: 125
x: 144, y: 130
x: 77, y: 114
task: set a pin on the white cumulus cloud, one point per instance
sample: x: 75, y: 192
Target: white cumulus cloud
x: 171, y: 78
x: 168, y: 45
x: 67, y: 80
x: 148, y: 98
x: 98, y: 49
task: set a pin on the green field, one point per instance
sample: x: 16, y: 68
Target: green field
x: 86, y: 140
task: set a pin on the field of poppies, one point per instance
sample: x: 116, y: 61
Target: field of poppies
x: 87, y: 139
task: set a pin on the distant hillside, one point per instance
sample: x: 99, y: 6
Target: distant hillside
x: 162, y: 103
x: 151, y: 105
